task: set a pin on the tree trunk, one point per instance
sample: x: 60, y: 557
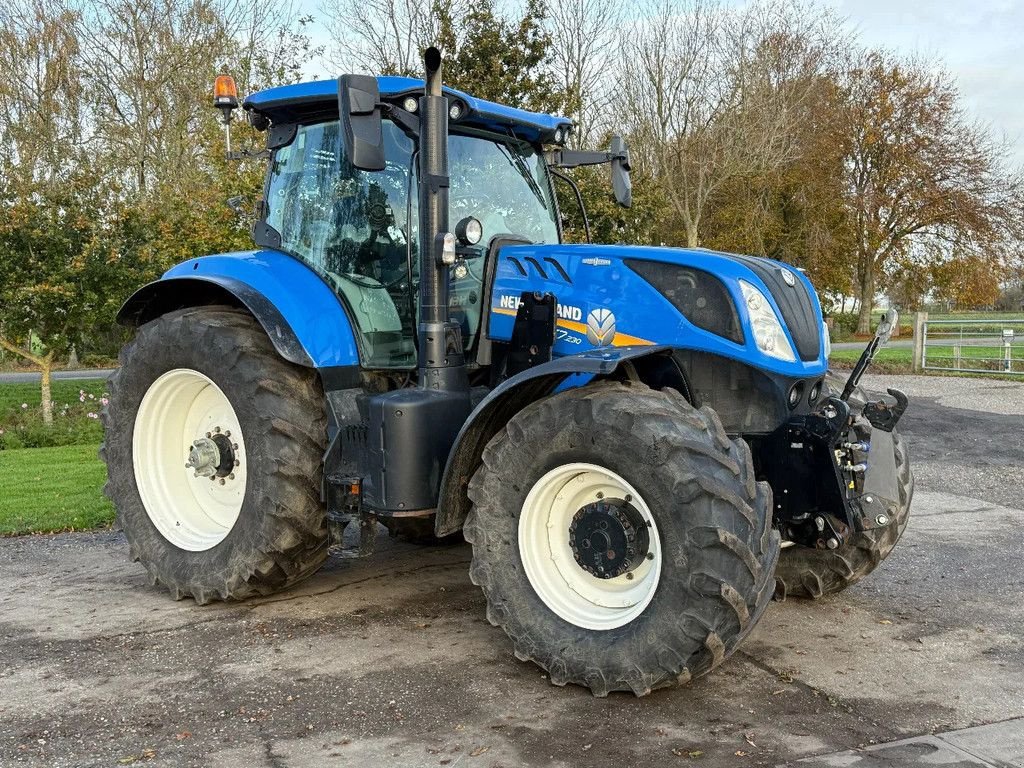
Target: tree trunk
x: 691, y: 234
x: 45, y: 365
x: 867, y: 301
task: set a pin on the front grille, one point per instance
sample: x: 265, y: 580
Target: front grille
x: 700, y: 296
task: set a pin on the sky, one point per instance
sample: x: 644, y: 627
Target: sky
x: 979, y: 42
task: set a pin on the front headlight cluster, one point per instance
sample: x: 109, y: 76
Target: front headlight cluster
x: 768, y: 332
x: 828, y: 340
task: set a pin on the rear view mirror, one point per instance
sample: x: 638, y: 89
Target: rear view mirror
x: 622, y: 186
x: 359, y: 110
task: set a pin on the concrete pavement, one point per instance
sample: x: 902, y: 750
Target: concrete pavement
x: 390, y: 661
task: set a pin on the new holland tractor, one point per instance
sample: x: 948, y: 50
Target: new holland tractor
x: 642, y: 445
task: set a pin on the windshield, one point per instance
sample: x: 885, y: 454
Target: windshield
x: 359, y: 229
x: 503, y: 183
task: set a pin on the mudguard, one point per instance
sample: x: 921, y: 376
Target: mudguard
x: 510, y: 397
x: 302, y: 316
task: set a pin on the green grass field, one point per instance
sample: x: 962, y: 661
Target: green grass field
x: 62, y: 392
x: 53, y: 489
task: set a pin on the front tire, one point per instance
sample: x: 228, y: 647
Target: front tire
x: 699, y: 583
x: 253, y: 526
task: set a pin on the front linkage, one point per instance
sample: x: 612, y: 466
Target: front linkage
x: 834, y: 470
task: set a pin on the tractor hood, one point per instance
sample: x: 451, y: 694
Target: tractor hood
x: 689, y: 298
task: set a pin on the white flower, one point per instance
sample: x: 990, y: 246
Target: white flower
x: 24, y: 406
x: 92, y: 415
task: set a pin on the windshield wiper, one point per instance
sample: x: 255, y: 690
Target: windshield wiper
x: 517, y: 162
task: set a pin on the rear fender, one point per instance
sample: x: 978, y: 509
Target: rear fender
x: 514, y: 394
x: 302, y: 316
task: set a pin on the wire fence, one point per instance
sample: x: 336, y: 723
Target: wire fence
x: 973, y: 346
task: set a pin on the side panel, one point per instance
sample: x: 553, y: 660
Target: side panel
x: 602, y: 302
x: 275, y: 288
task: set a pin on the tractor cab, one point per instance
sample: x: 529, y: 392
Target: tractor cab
x: 358, y: 227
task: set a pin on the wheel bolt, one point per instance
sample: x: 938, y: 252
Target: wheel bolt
x: 217, y: 430
x: 230, y: 477
x: 650, y: 555
x: 222, y: 481
x: 600, y: 495
x: 208, y: 434
x: 227, y: 433
x: 629, y: 576
x: 238, y: 463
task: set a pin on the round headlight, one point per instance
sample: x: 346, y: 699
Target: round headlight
x: 815, y: 392
x: 410, y: 104
x: 469, y: 231
x: 795, y: 394
x: 455, y: 111
x: 559, y: 135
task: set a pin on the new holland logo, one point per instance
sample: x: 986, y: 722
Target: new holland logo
x: 789, y: 277
x: 601, y: 327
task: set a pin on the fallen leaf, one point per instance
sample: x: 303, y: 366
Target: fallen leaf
x: 740, y: 753
x: 885, y: 621
x: 183, y: 735
x: 478, y: 751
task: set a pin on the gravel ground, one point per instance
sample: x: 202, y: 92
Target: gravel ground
x: 965, y: 434
x: 389, y: 660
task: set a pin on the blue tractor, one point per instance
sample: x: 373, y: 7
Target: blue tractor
x: 643, y: 445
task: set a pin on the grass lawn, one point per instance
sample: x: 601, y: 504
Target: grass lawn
x: 64, y: 392
x: 53, y: 489
x: 888, y: 359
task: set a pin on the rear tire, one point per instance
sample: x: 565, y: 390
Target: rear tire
x: 277, y: 535
x: 813, y: 573
x: 711, y: 538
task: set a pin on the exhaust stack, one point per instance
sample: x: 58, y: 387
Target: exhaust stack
x: 441, y: 357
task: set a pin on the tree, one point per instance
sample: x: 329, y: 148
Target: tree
x: 921, y: 179
x: 711, y: 95
x: 582, y: 47
x: 971, y: 282
x: 386, y: 37
x: 43, y: 219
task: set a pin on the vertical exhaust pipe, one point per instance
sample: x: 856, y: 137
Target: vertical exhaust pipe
x: 441, y: 357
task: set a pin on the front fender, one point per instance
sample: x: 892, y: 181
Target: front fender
x: 504, y: 402
x: 302, y: 316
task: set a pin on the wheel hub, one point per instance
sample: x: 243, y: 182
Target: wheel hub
x: 213, y: 456
x: 608, y: 538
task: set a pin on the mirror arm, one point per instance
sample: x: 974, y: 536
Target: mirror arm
x: 569, y: 158
x: 407, y: 121
x: 579, y: 199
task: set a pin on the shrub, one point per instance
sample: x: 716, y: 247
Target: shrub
x: 74, y: 423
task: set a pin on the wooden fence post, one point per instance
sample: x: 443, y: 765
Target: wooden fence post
x: 920, y: 318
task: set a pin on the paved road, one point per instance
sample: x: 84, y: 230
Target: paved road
x: 390, y: 661
x: 91, y: 373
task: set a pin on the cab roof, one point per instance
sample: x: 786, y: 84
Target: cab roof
x: 319, y: 98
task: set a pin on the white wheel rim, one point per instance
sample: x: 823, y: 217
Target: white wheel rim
x: 551, y: 567
x: 192, y: 513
